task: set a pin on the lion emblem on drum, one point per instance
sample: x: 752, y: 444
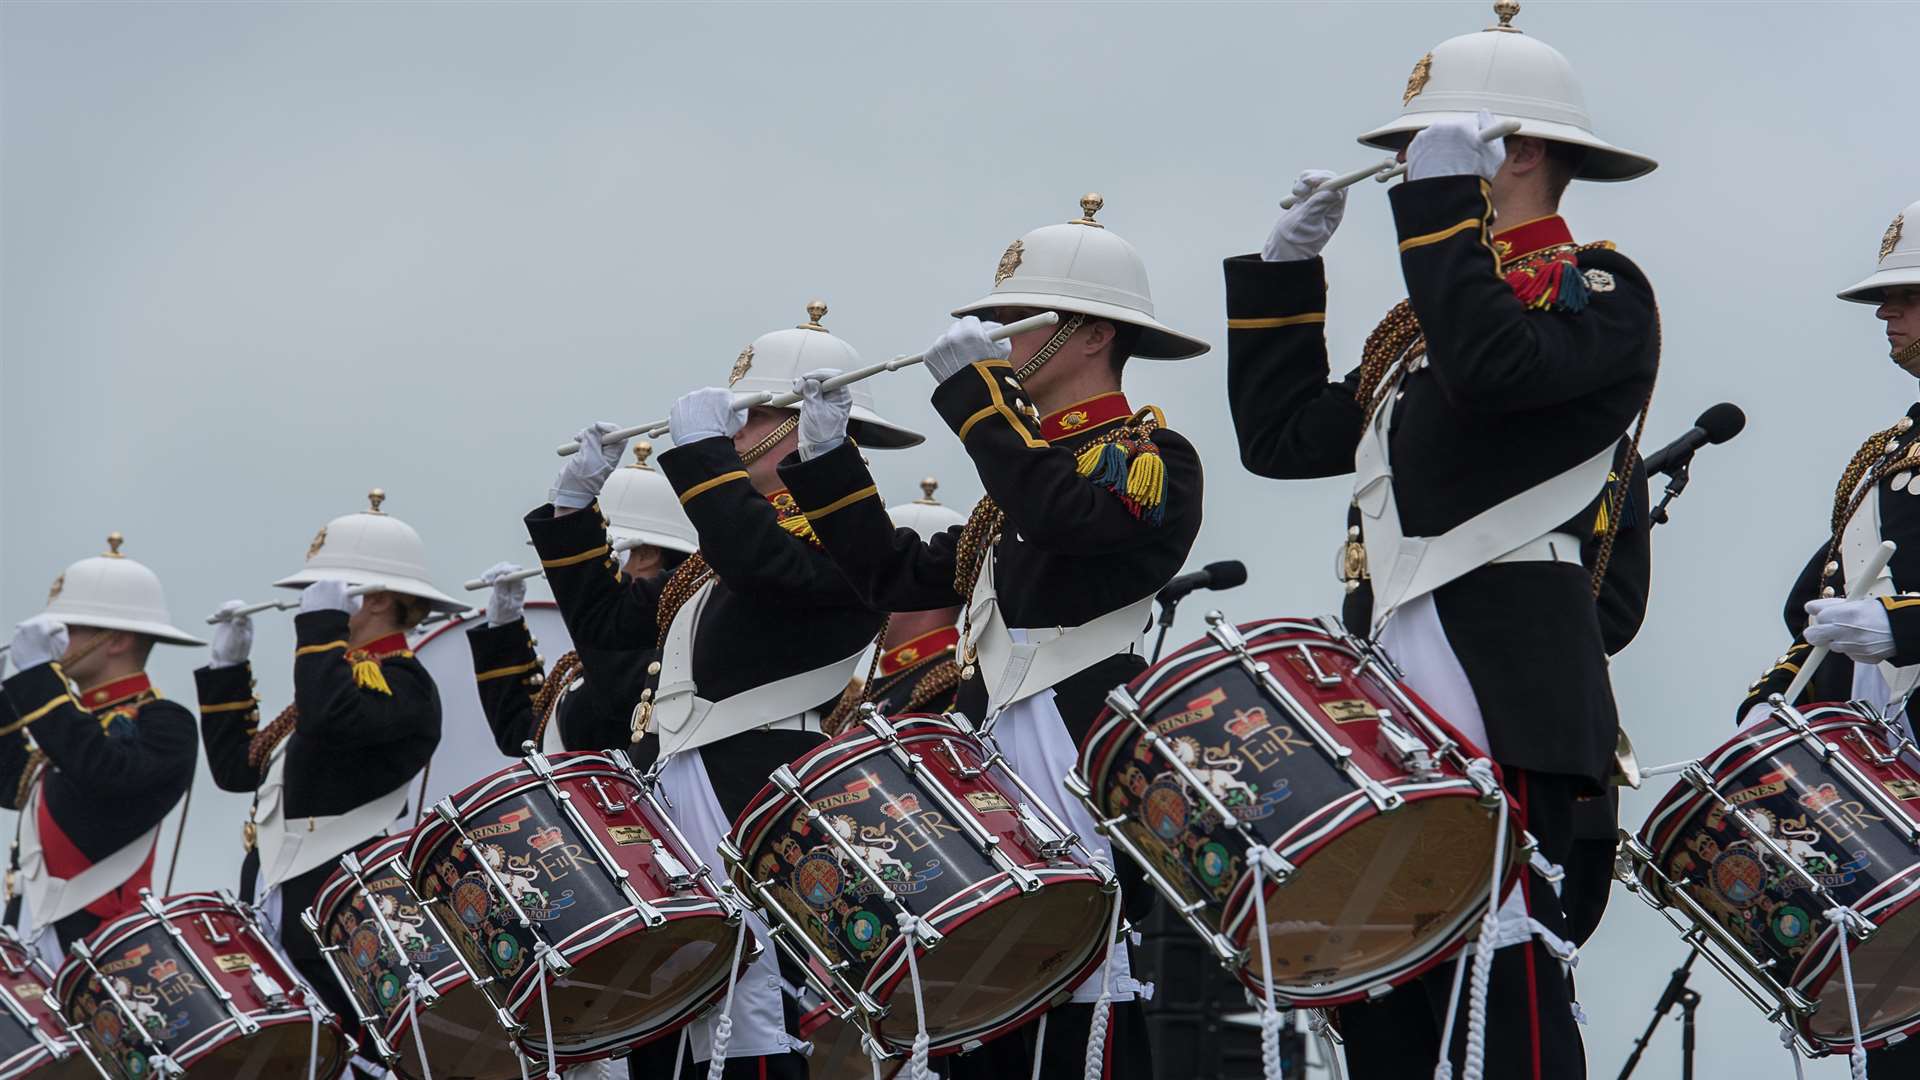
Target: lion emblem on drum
x: 870, y: 845
x: 1217, y: 771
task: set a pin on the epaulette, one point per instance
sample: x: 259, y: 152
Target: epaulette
x: 1126, y: 462
x: 1552, y: 280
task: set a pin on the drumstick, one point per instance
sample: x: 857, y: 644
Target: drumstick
x: 281, y: 605
x: 748, y: 401
x: 517, y: 575
x: 1861, y: 583
x: 1389, y: 168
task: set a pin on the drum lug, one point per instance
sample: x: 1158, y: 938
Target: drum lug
x: 1400, y: 745
x: 1320, y: 676
x: 608, y: 804
x: 1272, y: 864
x: 679, y: 878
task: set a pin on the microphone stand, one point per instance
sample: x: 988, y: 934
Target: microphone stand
x: 1676, y: 993
x: 1167, y: 608
x: 1677, y: 479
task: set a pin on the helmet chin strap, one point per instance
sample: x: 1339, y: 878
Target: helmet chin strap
x: 1053, y: 345
x: 764, y: 446
x: 1908, y: 354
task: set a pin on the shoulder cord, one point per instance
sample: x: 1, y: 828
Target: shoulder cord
x: 1860, y: 479
x: 563, y: 672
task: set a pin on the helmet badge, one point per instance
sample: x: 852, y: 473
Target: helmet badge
x: 58, y: 584
x: 1417, y: 79
x: 319, y: 541
x: 1009, y: 262
x: 741, y: 365
x: 1891, y: 238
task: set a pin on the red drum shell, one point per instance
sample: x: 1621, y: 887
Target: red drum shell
x: 459, y: 1032
x: 1005, y: 955
x: 48, y: 1049
x: 1377, y: 898
x: 175, y: 1003
x: 1864, y: 857
x: 629, y: 984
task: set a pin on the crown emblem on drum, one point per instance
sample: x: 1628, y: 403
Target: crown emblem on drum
x: 545, y: 838
x: 1820, y: 798
x: 901, y: 807
x: 165, y: 969
x: 741, y: 365
x: 1417, y: 79
x: 1891, y: 238
x: 1248, y: 722
x: 1009, y: 262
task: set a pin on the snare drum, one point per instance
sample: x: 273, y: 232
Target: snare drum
x: 1797, y: 815
x: 1295, y: 743
x: 905, y: 817
x: 367, y: 916
x: 34, y: 1036
x: 194, y: 980
x: 565, y: 869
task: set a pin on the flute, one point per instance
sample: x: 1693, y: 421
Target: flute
x: 1861, y: 583
x: 1388, y: 168
x: 280, y: 605
x: 748, y: 401
x: 518, y: 575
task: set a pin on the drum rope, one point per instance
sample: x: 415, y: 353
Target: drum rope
x: 414, y: 982
x: 723, y: 1027
x: 1270, y: 1019
x: 1483, y: 954
x: 313, y: 1044
x: 1786, y: 1040
x: 1842, y: 919
x: 546, y: 1020
x: 1097, y: 1029
x: 910, y: 928
x: 1444, y: 1070
x: 1322, y: 1029
x: 680, y: 1050
x: 1039, y: 1045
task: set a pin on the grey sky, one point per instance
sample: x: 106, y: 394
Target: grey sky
x: 260, y: 258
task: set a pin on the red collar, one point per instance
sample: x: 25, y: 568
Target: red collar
x: 381, y: 648
x: 1530, y: 237
x: 115, y: 692
x: 926, y: 646
x: 1084, y: 416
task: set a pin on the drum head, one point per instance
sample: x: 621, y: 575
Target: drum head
x: 462, y: 1039
x: 636, y: 985
x: 1886, y: 983
x: 274, y: 1052
x: 1003, y: 961
x: 1381, y: 896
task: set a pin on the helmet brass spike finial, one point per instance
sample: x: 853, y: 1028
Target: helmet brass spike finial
x: 927, y: 487
x: 374, y: 499
x: 816, y: 310
x: 114, y: 540
x: 641, y: 451
x: 1505, y: 10
x: 1090, y: 204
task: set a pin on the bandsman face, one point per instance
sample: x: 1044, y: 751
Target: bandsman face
x: 1900, y: 310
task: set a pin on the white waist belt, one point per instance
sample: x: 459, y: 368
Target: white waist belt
x: 1015, y: 670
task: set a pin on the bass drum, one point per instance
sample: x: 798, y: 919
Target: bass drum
x: 467, y: 752
x: 358, y: 919
x: 193, y: 978
x: 34, y: 1036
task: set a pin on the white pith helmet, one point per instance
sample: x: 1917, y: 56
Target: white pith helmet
x: 1512, y: 76
x: 1899, y: 261
x: 641, y: 507
x: 371, y: 548
x: 774, y: 360
x: 1084, y: 268
x: 926, y: 515
x: 112, y: 592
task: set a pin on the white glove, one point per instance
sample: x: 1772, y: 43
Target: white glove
x: 1303, y: 231
x: 508, y: 601
x: 328, y: 596
x: 232, y: 637
x: 965, y: 343
x: 1857, y: 629
x: 586, y: 472
x: 36, y: 641
x: 1453, y: 148
x: 823, y: 413
x: 705, y: 414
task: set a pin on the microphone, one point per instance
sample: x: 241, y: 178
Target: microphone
x: 1713, y: 427
x: 1219, y: 575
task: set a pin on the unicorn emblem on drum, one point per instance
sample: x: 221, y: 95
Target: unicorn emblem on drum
x: 1219, y: 775
x: 870, y: 845
x: 518, y: 877
x: 407, y: 924
x: 1797, y: 843
x: 145, y: 1006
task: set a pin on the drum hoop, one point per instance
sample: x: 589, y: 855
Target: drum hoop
x: 1822, y: 959
x: 112, y: 934
x: 329, y: 897
x: 1732, y: 756
x: 31, y: 1057
x: 608, y: 928
x: 432, y: 832
x: 954, y: 912
x: 214, y: 1036
x: 881, y: 986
